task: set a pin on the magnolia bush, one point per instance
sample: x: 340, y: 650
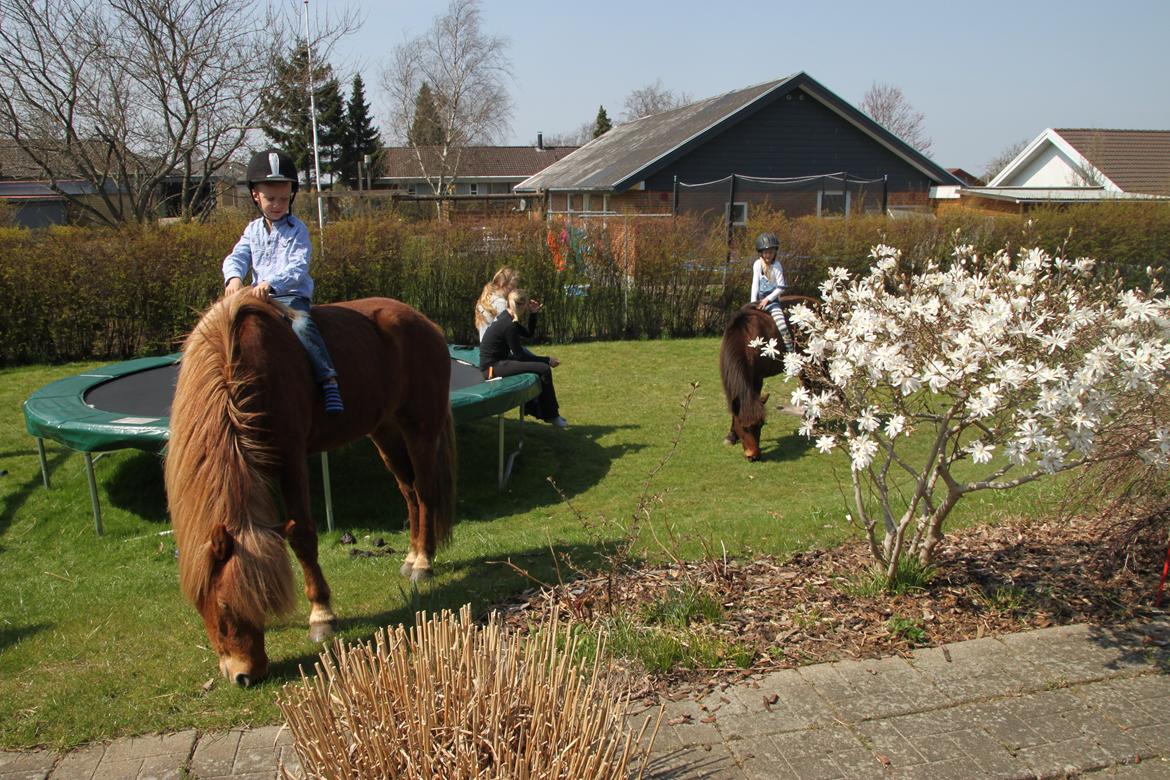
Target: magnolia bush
x: 1005, y: 368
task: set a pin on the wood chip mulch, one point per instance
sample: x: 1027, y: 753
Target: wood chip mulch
x: 991, y: 580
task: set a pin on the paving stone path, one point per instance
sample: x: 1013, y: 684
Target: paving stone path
x: 1059, y: 702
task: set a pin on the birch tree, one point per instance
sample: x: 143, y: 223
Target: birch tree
x: 466, y: 71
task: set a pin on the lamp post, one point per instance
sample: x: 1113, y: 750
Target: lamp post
x: 366, y: 158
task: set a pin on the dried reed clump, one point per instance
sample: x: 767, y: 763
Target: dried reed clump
x: 451, y: 699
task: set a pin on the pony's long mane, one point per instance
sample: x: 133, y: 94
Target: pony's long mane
x: 218, y: 470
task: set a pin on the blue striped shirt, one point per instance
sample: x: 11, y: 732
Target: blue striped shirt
x: 279, y: 257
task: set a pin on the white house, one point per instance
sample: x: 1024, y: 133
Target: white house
x: 1082, y: 165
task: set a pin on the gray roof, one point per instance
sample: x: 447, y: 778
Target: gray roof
x: 631, y: 152
x: 501, y: 162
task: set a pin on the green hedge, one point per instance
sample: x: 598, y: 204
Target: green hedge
x: 73, y: 293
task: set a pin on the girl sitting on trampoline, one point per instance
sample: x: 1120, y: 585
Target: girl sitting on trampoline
x: 502, y: 354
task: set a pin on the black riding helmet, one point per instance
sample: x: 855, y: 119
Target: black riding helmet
x: 275, y: 166
x: 767, y: 241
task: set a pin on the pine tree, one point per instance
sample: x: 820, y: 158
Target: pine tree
x: 427, y: 128
x: 601, y: 125
x: 361, y: 135
x: 332, y: 128
x: 285, y: 106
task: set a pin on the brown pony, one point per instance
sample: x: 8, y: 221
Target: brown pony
x: 245, y: 417
x: 743, y: 370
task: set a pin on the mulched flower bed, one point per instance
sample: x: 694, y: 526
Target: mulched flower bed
x: 991, y: 580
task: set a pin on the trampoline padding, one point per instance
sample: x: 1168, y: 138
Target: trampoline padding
x: 127, y: 405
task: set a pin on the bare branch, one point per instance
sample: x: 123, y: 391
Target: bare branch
x: 887, y: 106
x: 652, y: 99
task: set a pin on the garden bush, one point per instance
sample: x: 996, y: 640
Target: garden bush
x: 75, y: 294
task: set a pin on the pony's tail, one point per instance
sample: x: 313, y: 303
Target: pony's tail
x: 733, y: 363
x: 443, y: 514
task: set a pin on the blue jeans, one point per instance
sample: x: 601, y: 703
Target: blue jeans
x: 306, y: 331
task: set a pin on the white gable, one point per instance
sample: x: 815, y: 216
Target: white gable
x: 1050, y: 161
x: 1050, y: 167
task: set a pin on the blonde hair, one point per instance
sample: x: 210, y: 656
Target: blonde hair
x: 502, y: 283
x: 517, y: 302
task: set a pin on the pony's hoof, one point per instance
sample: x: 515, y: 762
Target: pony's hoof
x: 407, y: 569
x: 321, y: 632
x: 420, y: 575
x: 730, y: 439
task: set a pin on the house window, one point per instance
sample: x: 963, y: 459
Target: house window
x: 738, y: 212
x: 832, y: 203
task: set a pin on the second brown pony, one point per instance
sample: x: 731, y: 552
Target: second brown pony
x: 246, y: 415
x: 743, y: 370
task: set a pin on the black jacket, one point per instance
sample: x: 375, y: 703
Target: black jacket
x: 501, y: 341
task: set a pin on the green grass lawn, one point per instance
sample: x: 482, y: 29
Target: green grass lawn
x: 96, y: 642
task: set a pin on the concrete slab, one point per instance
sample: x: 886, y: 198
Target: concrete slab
x: 1074, y: 700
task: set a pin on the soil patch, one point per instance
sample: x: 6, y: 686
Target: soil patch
x: 990, y: 580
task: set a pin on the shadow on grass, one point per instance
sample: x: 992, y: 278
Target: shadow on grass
x: 366, y: 496
x: 481, y: 581
x: 791, y: 446
x: 10, y: 635
x: 136, y: 486
x: 17, y: 494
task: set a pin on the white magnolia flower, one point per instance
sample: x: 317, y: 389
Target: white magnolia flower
x: 895, y: 425
x: 862, y: 450
x: 868, y: 420
x: 771, y: 349
x: 757, y: 342
x: 826, y: 443
x: 980, y: 452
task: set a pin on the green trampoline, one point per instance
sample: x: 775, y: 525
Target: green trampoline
x: 127, y: 406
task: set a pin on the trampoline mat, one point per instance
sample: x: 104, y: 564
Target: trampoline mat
x: 149, y: 393
x: 145, y: 393
x: 464, y: 374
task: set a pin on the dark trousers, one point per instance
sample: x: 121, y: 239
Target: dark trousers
x: 544, y: 406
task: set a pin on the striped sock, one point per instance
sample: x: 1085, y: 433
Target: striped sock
x: 333, y: 403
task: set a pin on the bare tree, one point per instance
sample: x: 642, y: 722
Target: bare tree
x: 887, y: 106
x: 579, y: 137
x: 652, y: 99
x: 126, y: 94
x: 466, y: 71
x: 143, y: 100
x: 996, y: 164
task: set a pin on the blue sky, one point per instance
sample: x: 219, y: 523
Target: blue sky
x: 984, y: 73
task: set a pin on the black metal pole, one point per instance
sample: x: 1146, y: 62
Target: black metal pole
x: 674, y: 199
x: 730, y: 209
x: 885, y: 192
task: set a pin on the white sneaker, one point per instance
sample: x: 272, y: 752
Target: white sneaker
x: 560, y: 422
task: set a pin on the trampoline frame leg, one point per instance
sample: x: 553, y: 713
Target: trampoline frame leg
x: 44, y: 463
x: 328, y: 490
x: 93, y: 494
x: 504, y: 470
